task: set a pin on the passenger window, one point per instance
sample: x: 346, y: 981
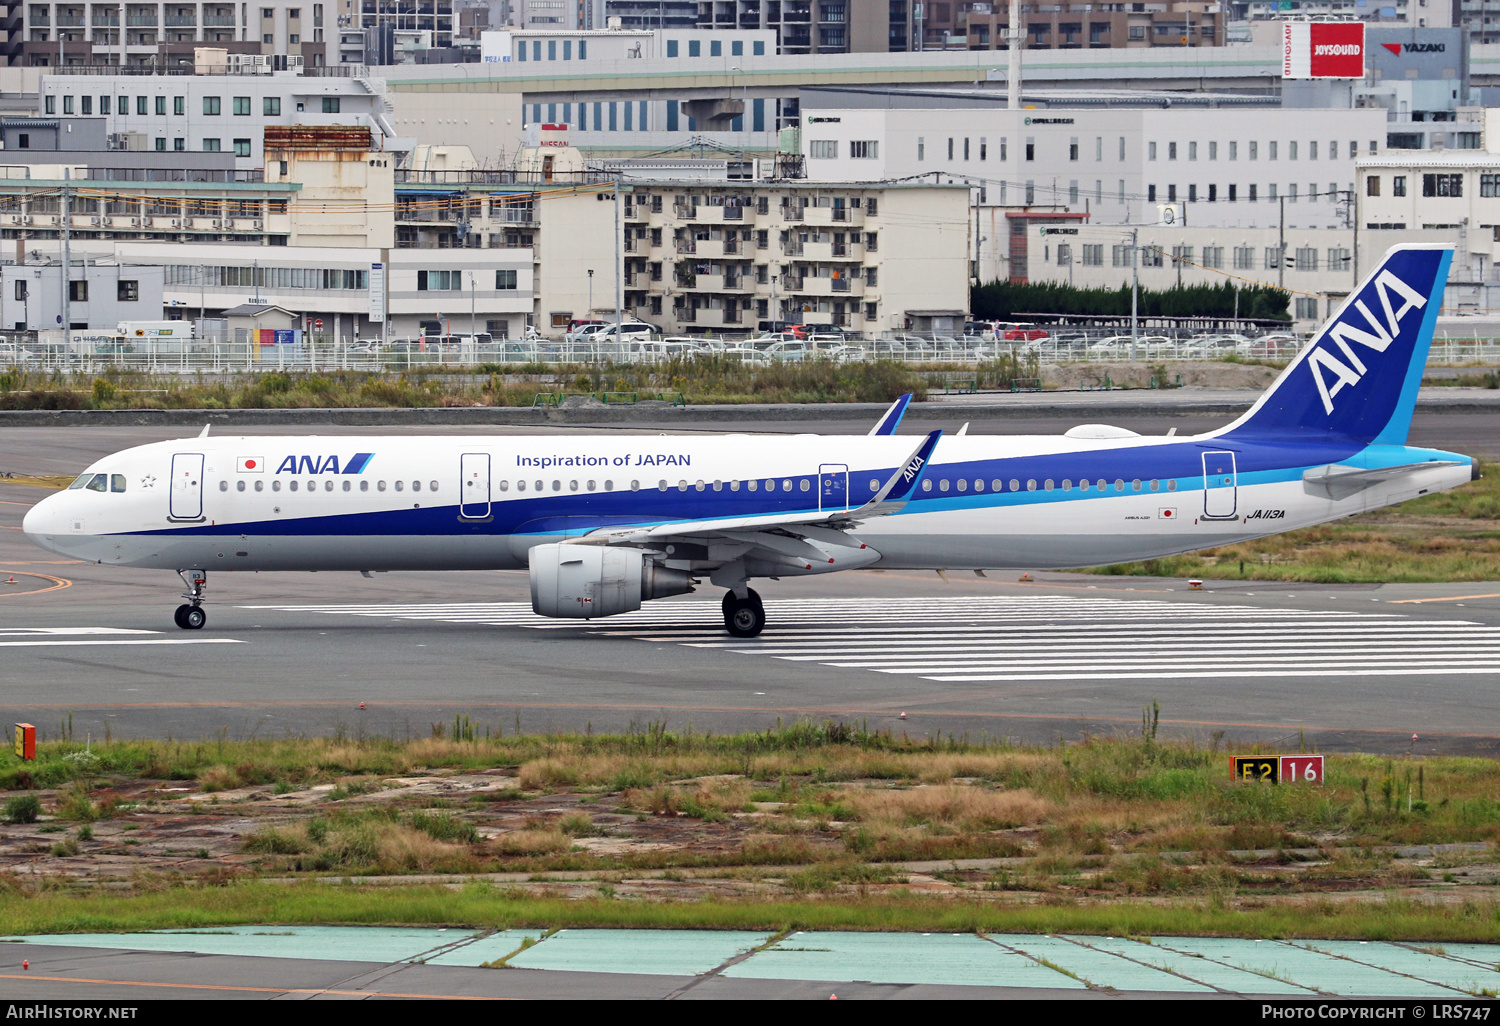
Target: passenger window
x: 573, y: 486
x: 635, y: 486
x: 505, y: 486
x: 927, y: 484
x: 806, y: 484
x: 1155, y: 485
x: 1083, y: 486
x: 348, y: 486
x: 718, y: 486
x: 312, y: 486
x: 590, y: 486
x: 734, y: 486
x: 682, y: 486
x: 1067, y: 485
x: 556, y: 485
x: 432, y: 486
x: 1031, y: 484
x: 997, y: 485
x: 328, y: 485
x: 364, y: 486
x: 100, y: 483
x: 609, y: 486
x: 275, y: 486
x: 1119, y: 485
x: 1171, y: 486
x: 292, y: 485
x: 1047, y: 484
x: 771, y: 486
x: 223, y: 486
x: 539, y: 486
x: 1101, y: 484
x: 874, y: 485
x: 661, y: 486
x: 1015, y: 485
x: 963, y: 485
x: 699, y: 486
x: 260, y: 486
x: 979, y: 484
x: 752, y: 485
x: 117, y: 483
x: 943, y: 485
x: 399, y: 485
x: 239, y: 486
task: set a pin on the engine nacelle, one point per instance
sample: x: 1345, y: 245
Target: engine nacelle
x: 587, y: 581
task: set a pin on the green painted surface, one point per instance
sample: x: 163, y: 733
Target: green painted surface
x: 1099, y: 967
x: 340, y: 943
x: 651, y: 952
x: 1406, y: 960
x: 1309, y: 969
x: 941, y: 958
x: 1206, y: 971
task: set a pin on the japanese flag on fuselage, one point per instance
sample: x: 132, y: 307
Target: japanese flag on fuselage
x: 250, y: 465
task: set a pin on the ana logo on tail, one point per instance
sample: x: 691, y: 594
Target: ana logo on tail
x: 1350, y: 369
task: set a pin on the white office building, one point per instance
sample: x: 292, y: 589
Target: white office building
x: 216, y: 113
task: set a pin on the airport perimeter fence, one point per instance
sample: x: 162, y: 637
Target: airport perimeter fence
x: 238, y: 358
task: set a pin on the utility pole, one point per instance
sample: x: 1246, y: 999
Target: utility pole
x: 67, y: 255
x: 1013, y: 69
x: 1135, y: 289
x: 619, y: 269
x: 1281, y: 247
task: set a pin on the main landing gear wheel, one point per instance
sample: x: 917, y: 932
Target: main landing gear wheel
x: 744, y: 617
x: 190, y: 618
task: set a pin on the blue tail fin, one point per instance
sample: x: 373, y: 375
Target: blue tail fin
x: 1358, y: 377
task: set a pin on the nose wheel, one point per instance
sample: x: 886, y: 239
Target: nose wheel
x: 190, y: 618
x: 744, y: 617
x: 190, y: 615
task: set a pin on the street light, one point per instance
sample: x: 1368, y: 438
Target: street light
x: 590, y: 312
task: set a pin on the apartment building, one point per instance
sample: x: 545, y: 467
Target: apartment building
x: 163, y: 34
x: 216, y: 113
x: 863, y: 256
x: 1067, y: 26
x: 818, y: 26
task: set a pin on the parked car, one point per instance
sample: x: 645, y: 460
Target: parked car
x: 579, y: 331
x: 1025, y: 334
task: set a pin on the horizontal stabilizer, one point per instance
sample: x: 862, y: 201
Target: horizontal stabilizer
x: 1339, y: 482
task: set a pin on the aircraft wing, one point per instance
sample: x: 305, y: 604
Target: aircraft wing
x: 1340, y: 482
x: 766, y: 530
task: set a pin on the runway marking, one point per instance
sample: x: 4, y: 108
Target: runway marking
x: 1446, y: 598
x: 46, y: 632
x: 56, y: 643
x: 1034, y: 638
x: 58, y: 583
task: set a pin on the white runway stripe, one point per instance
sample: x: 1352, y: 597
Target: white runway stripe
x: 1031, y: 638
x: 60, y: 643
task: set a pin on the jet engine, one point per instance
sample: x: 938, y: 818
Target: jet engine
x: 586, y: 581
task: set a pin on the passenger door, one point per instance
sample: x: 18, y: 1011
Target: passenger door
x: 185, y: 501
x: 1220, y: 485
x: 474, y: 494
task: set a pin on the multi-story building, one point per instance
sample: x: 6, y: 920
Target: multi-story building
x: 653, y: 14
x: 865, y: 256
x: 818, y: 26
x: 216, y: 113
x: 379, y: 31
x: 1067, y: 26
x: 163, y: 33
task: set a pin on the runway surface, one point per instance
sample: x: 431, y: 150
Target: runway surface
x: 1351, y: 667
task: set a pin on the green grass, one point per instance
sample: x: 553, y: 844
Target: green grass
x: 479, y: 905
x: 702, y: 379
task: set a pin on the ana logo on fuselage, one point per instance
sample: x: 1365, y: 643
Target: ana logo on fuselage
x: 1349, y: 370
x: 325, y: 464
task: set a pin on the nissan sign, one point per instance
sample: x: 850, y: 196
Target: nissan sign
x: 1312, y: 49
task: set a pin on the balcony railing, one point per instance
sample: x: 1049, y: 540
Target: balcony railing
x: 840, y: 284
x: 791, y: 249
x: 142, y: 21
x: 792, y: 214
x: 731, y: 246
x: 105, y: 20
x: 684, y: 210
x: 735, y: 213
x: 182, y: 21
x: 686, y: 245
x: 218, y: 20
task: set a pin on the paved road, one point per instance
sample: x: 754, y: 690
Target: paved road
x: 1356, y: 667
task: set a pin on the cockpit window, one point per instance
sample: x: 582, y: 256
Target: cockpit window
x: 117, y: 482
x: 100, y: 483
x: 82, y: 480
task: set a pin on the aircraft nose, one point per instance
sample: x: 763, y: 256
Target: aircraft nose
x: 44, y: 520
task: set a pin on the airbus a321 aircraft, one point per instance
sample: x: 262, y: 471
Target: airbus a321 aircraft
x: 606, y: 523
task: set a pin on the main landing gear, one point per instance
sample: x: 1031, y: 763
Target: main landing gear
x: 744, y: 617
x: 190, y: 615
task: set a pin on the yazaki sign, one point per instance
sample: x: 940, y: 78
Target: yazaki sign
x: 1332, y: 49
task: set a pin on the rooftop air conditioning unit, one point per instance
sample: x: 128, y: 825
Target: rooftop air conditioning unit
x: 26, y: 219
x: 52, y: 220
x: 96, y: 221
x: 176, y: 222
x: 218, y: 223
x: 135, y: 222
x: 257, y: 225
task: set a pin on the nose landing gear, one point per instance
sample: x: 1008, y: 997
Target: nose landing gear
x: 190, y: 615
x: 744, y: 617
